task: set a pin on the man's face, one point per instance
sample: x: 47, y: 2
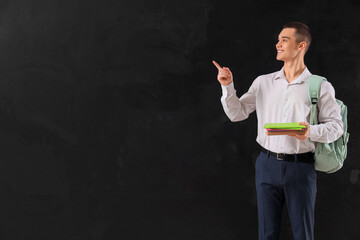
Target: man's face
x: 287, y: 47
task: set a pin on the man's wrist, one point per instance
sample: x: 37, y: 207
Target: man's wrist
x: 312, y: 130
x: 228, y: 88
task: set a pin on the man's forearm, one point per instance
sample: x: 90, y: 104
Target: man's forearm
x: 326, y: 132
x: 235, y: 108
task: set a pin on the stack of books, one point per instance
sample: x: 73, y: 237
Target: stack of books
x: 291, y: 129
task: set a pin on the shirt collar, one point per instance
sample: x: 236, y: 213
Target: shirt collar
x: 303, y: 76
x: 280, y: 74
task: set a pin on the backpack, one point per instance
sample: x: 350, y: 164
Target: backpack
x: 329, y: 157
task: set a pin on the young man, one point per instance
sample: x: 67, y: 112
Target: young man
x: 285, y: 166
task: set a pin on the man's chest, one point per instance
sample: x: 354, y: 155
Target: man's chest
x: 280, y: 95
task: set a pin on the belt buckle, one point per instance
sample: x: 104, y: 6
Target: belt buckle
x: 280, y: 156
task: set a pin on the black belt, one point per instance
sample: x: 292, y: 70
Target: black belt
x: 302, y: 157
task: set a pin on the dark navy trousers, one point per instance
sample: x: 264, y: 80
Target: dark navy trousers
x: 277, y: 182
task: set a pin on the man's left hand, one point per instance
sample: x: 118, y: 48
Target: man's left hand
x: 306, y: 134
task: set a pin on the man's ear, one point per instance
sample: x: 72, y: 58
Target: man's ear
x: 302, y: 45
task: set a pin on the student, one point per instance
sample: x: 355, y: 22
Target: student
x: 285, y: 166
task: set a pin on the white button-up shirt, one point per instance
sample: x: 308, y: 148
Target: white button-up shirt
x: 278, y: 101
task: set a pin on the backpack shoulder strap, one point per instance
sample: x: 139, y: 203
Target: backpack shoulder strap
x: 314, y: 84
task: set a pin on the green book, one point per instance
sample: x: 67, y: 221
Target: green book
x: 291, y: 125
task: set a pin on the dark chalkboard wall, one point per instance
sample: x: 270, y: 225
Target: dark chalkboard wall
x: 111, y: 125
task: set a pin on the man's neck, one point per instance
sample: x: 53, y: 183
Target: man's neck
x: 293, y: 69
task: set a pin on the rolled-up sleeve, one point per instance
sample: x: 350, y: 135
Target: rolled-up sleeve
x: 238, y: 109
x: 330, y: 126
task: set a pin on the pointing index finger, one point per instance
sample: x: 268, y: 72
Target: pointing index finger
x: 217, y: 65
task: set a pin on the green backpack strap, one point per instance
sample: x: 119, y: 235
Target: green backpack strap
x: 313, y: 94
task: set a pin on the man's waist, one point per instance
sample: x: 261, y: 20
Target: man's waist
x: 297, y: 157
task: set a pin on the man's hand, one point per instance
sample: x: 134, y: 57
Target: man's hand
x: 224, y: 75
x: 306, y: 134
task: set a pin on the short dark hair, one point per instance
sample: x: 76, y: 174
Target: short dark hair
x: 302, y: 32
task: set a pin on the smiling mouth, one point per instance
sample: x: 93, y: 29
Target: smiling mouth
x: 280, y: 51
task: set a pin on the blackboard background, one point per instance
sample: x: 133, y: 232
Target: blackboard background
x: 111, y: 125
